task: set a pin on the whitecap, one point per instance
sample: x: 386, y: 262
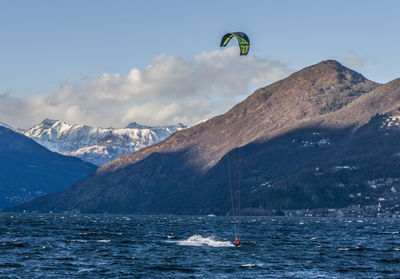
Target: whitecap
x: 104, y: 240
x: 248, y: 265
x: 343, y: 249
x: 198, y: 240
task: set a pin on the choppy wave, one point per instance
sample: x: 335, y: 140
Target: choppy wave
x: 104, y: 240
x: 108, y: 246
x: 198, y: 240
x: 248, y: 265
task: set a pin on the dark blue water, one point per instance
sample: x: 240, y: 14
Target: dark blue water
x: 55, y: 246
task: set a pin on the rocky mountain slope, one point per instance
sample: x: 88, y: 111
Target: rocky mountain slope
x: 97, y: 145
x: 28, y: 170
x: 317, y: 139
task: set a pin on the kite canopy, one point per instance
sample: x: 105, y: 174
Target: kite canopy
x: 244, y: 42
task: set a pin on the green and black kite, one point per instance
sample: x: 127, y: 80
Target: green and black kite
x: 244, y: 42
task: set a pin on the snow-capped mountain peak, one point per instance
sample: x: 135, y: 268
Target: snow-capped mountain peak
x: 94, y: 144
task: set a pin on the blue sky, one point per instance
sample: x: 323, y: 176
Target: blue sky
x: 48, y: 45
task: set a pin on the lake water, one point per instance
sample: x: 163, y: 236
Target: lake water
x: 116, y: 246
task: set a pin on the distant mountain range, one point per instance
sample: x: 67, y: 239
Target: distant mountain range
x: 96, y: 145
x: 324, y: 137
x: 29, y: 170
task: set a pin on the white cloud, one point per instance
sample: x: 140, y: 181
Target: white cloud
x: 170, y: 90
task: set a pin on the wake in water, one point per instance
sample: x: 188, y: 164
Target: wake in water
x: 198, y: 240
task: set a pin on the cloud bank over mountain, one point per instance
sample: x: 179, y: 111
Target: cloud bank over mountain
x: 169, y: 90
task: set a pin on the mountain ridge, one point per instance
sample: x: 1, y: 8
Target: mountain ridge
x: 30, y: 170
x: 95, y: 144
x: 267, y: 97
x: 281, y: 136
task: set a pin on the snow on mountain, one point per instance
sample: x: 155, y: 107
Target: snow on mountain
x: 97, y: 145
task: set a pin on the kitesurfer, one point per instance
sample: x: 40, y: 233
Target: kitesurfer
x: 237, y: 242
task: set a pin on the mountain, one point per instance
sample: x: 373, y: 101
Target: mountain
x: 97, y: 145
x: 29, y: 170
x: 2, y: 124
x: 324, y: 137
